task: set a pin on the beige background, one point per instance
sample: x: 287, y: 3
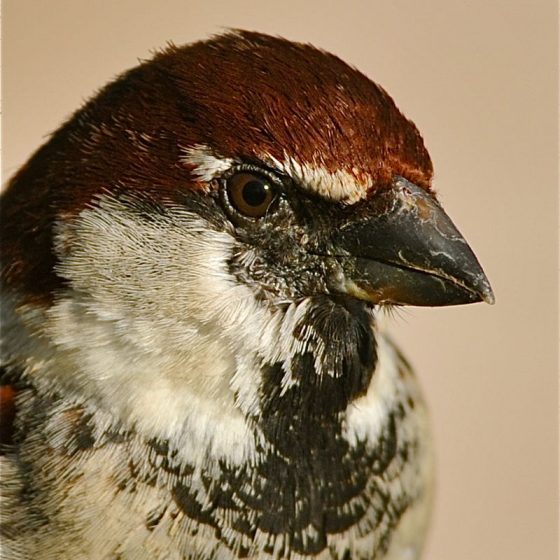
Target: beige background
x: 479, y: 79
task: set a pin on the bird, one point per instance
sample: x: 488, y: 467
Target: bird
x: 196, y: 269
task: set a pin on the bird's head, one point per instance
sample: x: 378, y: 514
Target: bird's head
x: 220, y: 223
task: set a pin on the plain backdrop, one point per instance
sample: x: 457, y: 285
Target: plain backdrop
x: 479, y: 78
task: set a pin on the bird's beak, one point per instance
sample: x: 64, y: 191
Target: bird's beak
x: 403, y: 249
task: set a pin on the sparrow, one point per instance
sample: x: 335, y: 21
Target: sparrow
x: 195, y: 270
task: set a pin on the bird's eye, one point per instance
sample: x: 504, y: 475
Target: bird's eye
x: 250, y: 194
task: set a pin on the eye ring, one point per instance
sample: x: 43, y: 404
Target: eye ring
x: 250, y: 194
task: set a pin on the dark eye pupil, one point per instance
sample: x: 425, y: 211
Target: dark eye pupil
x: 255, y: 193
x: 250, y: 194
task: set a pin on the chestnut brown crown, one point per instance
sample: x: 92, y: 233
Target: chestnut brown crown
x: 243, y: 95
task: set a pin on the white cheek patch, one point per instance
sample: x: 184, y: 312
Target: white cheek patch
x: 153, y: 326
x: 338, y: 186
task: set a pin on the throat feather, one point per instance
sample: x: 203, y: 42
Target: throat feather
x: 332, y: 363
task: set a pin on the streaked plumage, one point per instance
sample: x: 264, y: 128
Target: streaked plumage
x: 194, y: 271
